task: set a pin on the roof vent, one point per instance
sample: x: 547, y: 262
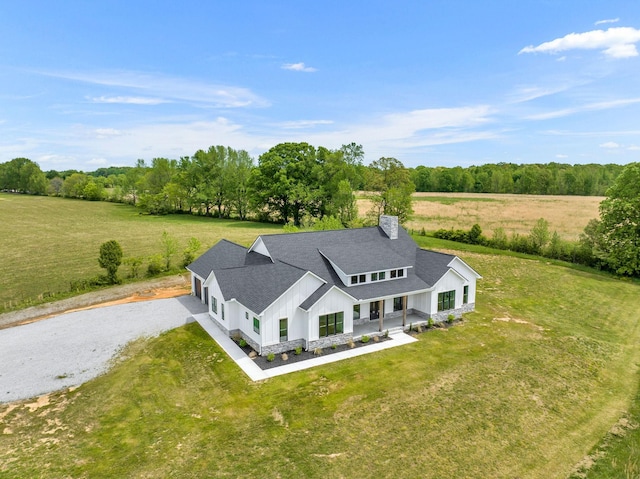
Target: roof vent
x: 389, y: 225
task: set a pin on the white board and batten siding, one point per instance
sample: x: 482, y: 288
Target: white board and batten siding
x: 286, y: 306
x: 334, y: 301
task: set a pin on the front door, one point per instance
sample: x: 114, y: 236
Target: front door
x: 374, y: 310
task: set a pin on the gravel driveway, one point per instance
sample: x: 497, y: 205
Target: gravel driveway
x: 71, y: 348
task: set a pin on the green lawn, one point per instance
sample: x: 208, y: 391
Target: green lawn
x: 48, y: 242
x: 526, y: 387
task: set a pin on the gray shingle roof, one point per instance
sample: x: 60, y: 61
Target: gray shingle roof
x: 258, y: 286
x: 255, y: 281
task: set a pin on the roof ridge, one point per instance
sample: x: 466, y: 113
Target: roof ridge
x: 317, y: 231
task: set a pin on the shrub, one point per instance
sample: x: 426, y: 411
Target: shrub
x: 317, y: 351
x: 156, y: 265
x: 298, y: 351
x: 351, y: 344
x: 419, y: 328
x: 242, y: 342
x: 334, y: 346
x: 430, y: 323
x: 450, y: 318
x: 284, y: 357
x: 376, y: 339
x: 364, y: 339
x: 386, y: 333
x: 271, y: 357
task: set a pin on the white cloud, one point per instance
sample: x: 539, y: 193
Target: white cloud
x: 618, y: 42
x: 561, y: 156
x: 609, y: 20
x: 175, y: 89
x: 128, y: 100
x: 633, y: 148
x: 97, y: 162
x: 527, y: 93
x: 107, y: 132
x: 604, y: 105
x: 610, y: 145
x: 304, y: 124
x: 298, y: 67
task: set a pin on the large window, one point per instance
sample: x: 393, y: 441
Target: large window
x: 446, y: 300
x: 356, y: 312
x: 256, y: 325
x: 284, y: 329
x: 214, y: 305
x: 331, y: 324
x: 465, y: 295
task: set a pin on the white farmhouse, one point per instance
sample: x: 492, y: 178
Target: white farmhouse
x: 314, y: 289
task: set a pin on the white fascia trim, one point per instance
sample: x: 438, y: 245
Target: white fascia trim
x: 257, y: 241
x: 408, y: 293
x: 450, y: 265
x: 322, y: 297
x: 464, y: 280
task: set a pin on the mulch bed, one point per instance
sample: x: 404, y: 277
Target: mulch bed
x: 262, y: 363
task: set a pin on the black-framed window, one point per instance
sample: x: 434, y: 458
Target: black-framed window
x: 354, y: 279
x: 381, y: 275
x: 374, y: 276
x: 363, y: 278
x: 446, y: 300
x: 222, y: 310
x: 284, y: 329
x: 400, y: 273
x: 214, y: 304
x: 330, y: 324
x: 256, y: 325
x: 356, y: 311
x: 397, y: 304
x: 246, y: 315
x: 465, y: 295
x: 393, y: 273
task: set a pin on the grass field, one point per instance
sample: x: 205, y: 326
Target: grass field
x: 48, y: 242
x: 568, y: 215
x: 526, y: 387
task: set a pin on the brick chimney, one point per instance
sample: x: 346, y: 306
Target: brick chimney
x: 389, y: 225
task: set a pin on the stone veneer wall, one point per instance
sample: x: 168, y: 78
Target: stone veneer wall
x: 330, y: 340
x: 282, y: 347
x: 444, y: 315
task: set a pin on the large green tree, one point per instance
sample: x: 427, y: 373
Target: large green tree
x: 394, y: 188
x: 23, y: 176
x: 285, y: 182
x: 620, y: 222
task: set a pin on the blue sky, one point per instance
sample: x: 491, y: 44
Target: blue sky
x: 88, y: 84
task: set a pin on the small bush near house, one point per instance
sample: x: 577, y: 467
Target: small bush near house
x: 317, y: 351
x: 271, y: 357
x: 298, y: 351
x: 376, y: 339
x: 365, y: 339
x: 430, y: 323
x: 242, y: 343
x: 351, y: 344
x: 334, y: 346
x: 450, y: 318
x: 284, y: 357
x: 386, y: 333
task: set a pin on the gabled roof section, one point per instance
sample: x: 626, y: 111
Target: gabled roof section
x: 259, y: 286
x: 356, y: 258
x: 431, y: 265
x: 224, y: 254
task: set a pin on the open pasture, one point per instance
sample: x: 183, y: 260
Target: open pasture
x: 525, y: 388
x: 48, y: 242
x: 568, y: 215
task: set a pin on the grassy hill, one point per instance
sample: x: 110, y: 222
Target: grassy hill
x: 49, y: 242
x: 526, y: 387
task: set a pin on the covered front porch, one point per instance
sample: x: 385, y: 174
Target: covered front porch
x: 393, y: 323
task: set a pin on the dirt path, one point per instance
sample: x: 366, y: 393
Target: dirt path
x: 167, y: 287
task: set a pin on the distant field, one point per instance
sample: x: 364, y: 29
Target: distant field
x: 48, y: 242
x: 568, y: 215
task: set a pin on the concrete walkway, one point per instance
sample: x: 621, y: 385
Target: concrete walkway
x: 257, y: 374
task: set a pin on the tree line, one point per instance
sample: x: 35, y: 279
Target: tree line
x: 533, y: 179
x: 292, y: 182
